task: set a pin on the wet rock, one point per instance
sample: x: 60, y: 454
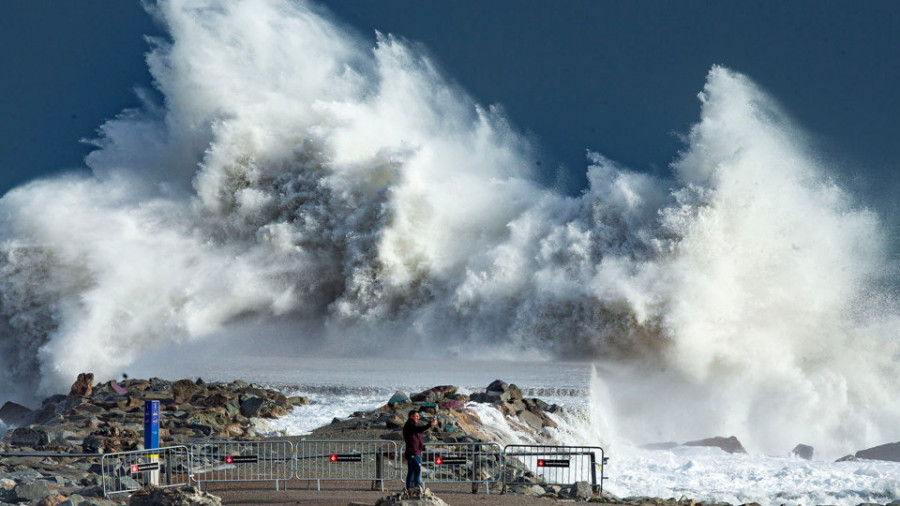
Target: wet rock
x: 889, y: 452
x: 498, y: 386
x: 533, y: 420
x: 727, y: 444
x: 254, y: 407
x: 802, y: 451
x: 13, y: 414
x: 298, y: 400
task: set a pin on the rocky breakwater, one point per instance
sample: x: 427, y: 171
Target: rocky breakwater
x: 458, y: 422
x: 460, y: 425
x: 109, y: 417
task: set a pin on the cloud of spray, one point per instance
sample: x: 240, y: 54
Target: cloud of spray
x: 295, y: 175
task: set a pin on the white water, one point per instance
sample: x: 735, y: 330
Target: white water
x: 302, y: 194
x: 705, y: 474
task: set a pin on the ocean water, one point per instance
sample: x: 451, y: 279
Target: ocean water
x: 306, y: 208
x: 338, y: 387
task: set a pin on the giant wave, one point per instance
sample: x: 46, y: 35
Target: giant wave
x: 349, y: 199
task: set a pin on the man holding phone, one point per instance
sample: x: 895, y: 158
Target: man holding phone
x: 412, y: 436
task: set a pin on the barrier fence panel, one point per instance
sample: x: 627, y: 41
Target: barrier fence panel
x: 129, y: 471
x: 374, y: 461
x: 462, y: 463
x: 224, y: 461
x: 556, y: 465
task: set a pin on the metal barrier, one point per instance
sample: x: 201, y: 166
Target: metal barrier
x: 223, y: 461
x: 129, y: 471
x: 358, y: 460
x: 557, y: 465
x: 462, y: 463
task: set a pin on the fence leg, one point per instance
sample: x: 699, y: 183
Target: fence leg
x: 378, y: 478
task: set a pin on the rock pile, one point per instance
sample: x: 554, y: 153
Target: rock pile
x: 109, y: 417
x: 411, y: 498
x: 185, y: 496
x: 456, y: 422
x: 510, y: 401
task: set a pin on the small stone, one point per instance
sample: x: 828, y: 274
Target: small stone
x: 52, y: 500
x: 581, y: 491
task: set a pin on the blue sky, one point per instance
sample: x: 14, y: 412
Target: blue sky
x: 620, y: 78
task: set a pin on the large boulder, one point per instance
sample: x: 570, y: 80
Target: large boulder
x: 802, y: 451
x: 13, y: 414
x: 31, y: 491
x: 399, y: 397
x: 531, y: 419
x: 498, y: 386
x: 255, y: 407
x: 183, y: 390
x: 30, y: 437
x: 83, y: 386
x: 889, y: 451
x: 727, y: 444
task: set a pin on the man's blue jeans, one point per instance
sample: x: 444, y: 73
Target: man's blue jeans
x: 413, y: 471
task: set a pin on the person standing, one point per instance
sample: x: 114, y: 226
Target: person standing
x: 412, y: 436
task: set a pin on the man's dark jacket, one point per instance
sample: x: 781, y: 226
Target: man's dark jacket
x: 412, y: 436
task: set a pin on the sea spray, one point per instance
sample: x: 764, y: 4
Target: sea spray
x: 353, y: 201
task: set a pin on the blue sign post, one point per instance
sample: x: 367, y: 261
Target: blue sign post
x: 151, y: 424
x: 151, y: 435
